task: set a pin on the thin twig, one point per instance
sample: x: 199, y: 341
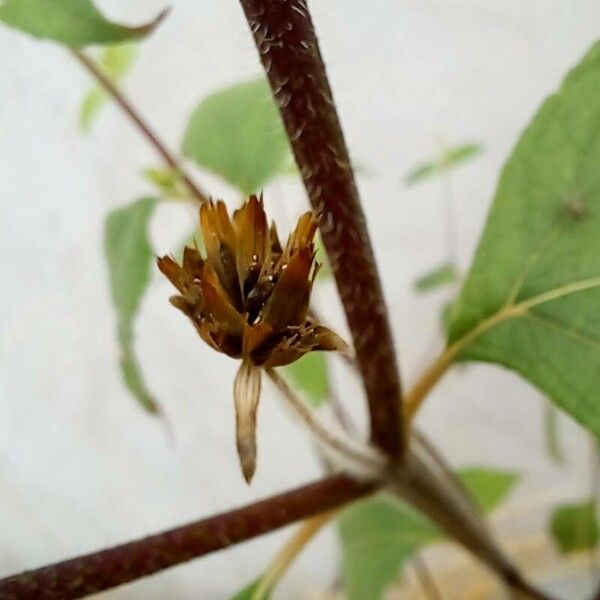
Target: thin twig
x: 341, y: 414
x: 367, y: 459
x: 288, y: 48
x: 118, y: 96
x: 112, y: 567
x: 286, y: 556
x: 425, y: 578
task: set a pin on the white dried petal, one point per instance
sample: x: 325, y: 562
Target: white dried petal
x: 246, y: 393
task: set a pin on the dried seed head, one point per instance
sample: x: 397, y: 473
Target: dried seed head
x: 249, y: 299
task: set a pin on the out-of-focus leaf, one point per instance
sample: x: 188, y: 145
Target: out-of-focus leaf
x: 380, y: 534
x: 130, y: 257
x: 489, y: 487
x: 574, y: 527
x: 310, y: 375
x: 452, y: 157
x: 460, y: 154
x: 90, y: 107
x: 445, y: 274
x: 290, y: 168
x: 552, y: 433
x: 75, y: 23
x: 237, y: 133
x: 446, y: 315
x: 115, y: 62
x: 170, y: 182
x: 420, y: 172
x: 249, y: 592
x: 530, y: 302
x: 132, y: 372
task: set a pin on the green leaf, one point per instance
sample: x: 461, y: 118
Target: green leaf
x: 90, y: 107
x: 237, y: 133
x: 531, y: 299
x: 130, y: 257
x: 460, y: 154
x: 75, y: 23
x: 489, y: 487
x: 310, y: 375
x: 443, y: 275
x: 450, y: 158
x: 422, y: 171
x: 380, y: 534
x: 169, y: 182
x: 249, y: 591
x: 115, y: 62
x: 446, y: 314
x: 575, y: 527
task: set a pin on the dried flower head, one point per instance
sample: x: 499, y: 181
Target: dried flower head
x: 249, y: 299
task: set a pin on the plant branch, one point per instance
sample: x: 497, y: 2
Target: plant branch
x: 285, y: 38
x: 115, y: 566
x: 427, y: 381
x: 111, y: 89
x: 425, y: 578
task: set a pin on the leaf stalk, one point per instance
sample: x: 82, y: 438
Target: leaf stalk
x: 151, y: 136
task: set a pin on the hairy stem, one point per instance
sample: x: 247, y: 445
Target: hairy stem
x: 115, y: 566
x: 285, y: 38
x: 111, y: 89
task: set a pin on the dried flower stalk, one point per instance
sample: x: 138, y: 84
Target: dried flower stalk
x: 249, y: 299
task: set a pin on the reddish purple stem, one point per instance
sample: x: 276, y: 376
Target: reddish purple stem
x: 109, y: 568
x: 285, y: 37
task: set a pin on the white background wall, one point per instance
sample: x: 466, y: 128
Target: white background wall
x: 80, y: 465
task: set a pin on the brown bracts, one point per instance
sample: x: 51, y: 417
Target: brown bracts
x: 249, y: 299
